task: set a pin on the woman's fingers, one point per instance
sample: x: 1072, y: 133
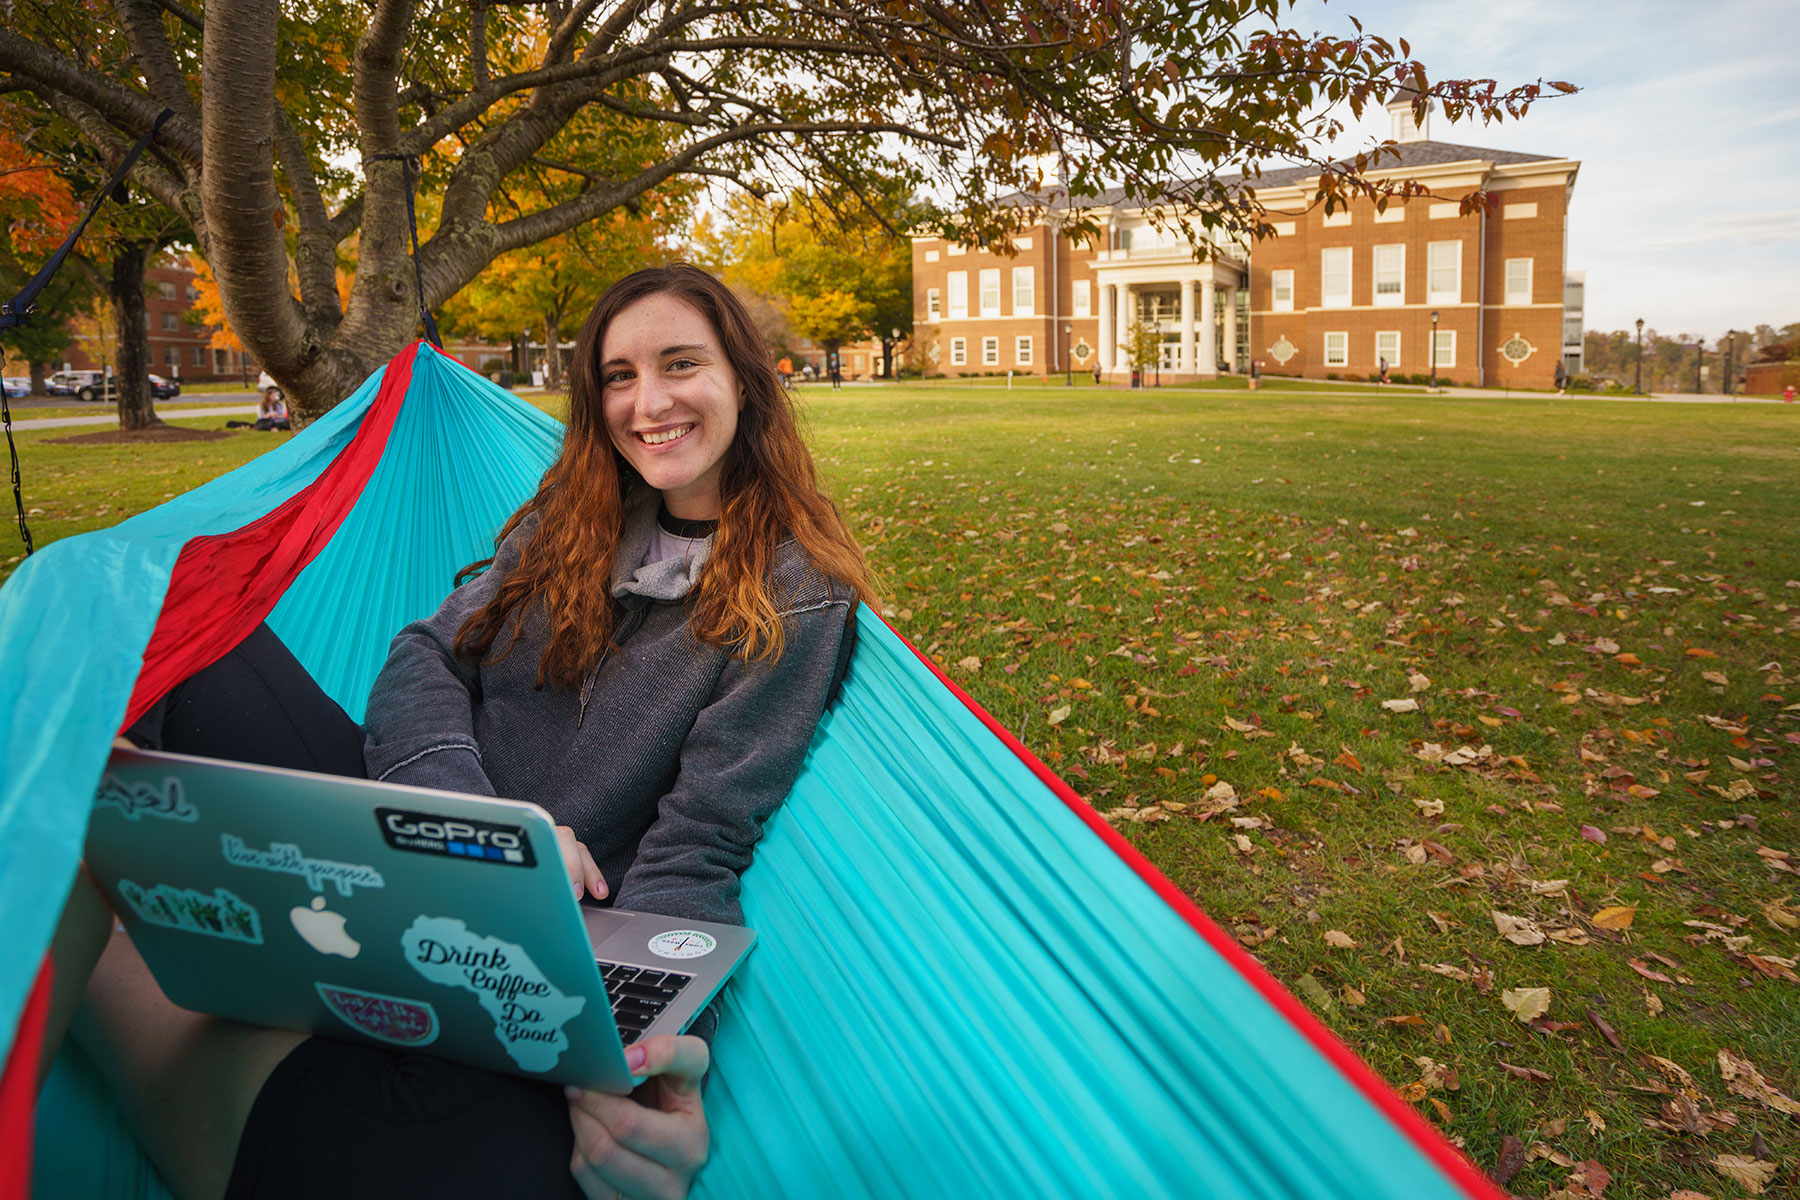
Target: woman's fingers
x: 584, y: 873
x: 652, y: 1144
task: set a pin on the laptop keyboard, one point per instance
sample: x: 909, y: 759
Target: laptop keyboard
x: 638, y: 995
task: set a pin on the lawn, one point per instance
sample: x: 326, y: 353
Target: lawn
x: 1469, y: 716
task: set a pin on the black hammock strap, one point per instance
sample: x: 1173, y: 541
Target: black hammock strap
x: 14, y: 312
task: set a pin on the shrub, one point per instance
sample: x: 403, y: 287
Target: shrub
x: 491, y: 365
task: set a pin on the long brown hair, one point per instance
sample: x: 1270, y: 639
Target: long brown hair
x: 768, y: 491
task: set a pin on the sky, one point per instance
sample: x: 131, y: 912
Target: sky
x: 1686, y: 211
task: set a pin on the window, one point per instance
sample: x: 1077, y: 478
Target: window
x: 1387, y: 348
x: 1518, y: 281
x: 1022, y: 351
x: 954, y: 250
x: 1573, y: 294
x: 990, y: 351
x: 1446, y: 349
x: 1443, y: 268
x: 221, y: 362
x: 1390, y: 274
x: 1023, y: 243
x: 1334, y: 277
x: 1337, y: 349
x: 1337, y: 218
x: 198, y: 356
x: 171, y: 322
x: 990, y: 292
x: 193, y: 293
x: 165, y: 289
x: 1281, y: 290
x: 959, y: 352
x: 1572, y: 331
x: 931, y: 256
x: 1024, y: 299
x: 1084, y: 301
x: 931, y: 305
x: 958, y: 283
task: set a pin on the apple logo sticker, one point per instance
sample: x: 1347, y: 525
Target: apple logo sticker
x: 323, y: 930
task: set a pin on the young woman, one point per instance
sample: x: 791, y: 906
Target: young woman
x: 646, y: 656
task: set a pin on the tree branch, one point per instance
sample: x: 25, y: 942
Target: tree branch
x: 478, y: 58
x: 121, y: 107
x: 315, y: 249
x: 173, y: 192
x: 143, y: 24
x: 182, y: 14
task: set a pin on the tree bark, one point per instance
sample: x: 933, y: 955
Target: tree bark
x: 38, y: 372
x: 136, y: 407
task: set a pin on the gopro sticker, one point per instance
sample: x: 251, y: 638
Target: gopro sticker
x: 456, y: 837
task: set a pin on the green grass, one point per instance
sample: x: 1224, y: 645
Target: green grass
x: 1168, y: 591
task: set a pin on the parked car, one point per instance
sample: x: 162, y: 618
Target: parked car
x: 108, y: 389
x: 69, y: 383
x: 17, y: 387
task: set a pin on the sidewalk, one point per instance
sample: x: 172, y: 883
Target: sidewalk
x: 1272, y: 383
x: 112, y: 418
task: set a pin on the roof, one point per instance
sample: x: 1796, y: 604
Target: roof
x: 1409, y: 154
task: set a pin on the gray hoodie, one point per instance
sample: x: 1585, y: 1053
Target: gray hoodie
x: 670, y: 757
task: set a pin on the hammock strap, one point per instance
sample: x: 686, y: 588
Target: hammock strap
x: 13, y: 312
x: 412, y: 221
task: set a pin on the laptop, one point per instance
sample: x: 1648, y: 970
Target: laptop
x: 403, y: 916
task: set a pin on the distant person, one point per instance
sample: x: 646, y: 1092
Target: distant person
x: 1255, y: 373
x: 1384, y: 370
x: 1562, y: 380
x: 1096, y: 372
x: 785, y: 369
x: 272, y: 413
x: 836, y: 370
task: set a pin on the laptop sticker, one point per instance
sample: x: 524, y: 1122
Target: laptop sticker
x: 456, y: 837
x: 391, y: 1019
x: 682, y: 943
x: 529, y: 1012
x: 284, y: 858
x: 323, y: 930
x: 220, y: 915
x: 145, y: 799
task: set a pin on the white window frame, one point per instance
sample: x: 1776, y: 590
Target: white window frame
x: 990, y: 291
x: 1393, y: 273
x: 959, y: 352
x: 1081, y: 299
x: 1023, y: 350
x: 957, y: 284
x: 1446, y: 349
x: 1024, y: 291
x: 1383, y: 352
x: 1338, y: 340
x: 990, y: 351
x: 172, y: 357
x: 1435, y: 266
x: 933, y: 309
x: 1522, y: 294
x: 1327, y: 297
x: 1279, y: 282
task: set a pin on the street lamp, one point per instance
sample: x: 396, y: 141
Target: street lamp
x: 1638, y: 386
x: 1434, y: 323
x: 1699, y: 353
x: 1730, y: 353
x: 1069, y: 355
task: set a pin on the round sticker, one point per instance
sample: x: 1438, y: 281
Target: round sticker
x: 682, y: 943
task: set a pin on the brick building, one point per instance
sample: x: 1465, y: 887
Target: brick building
x: 1327, y: 296
x: 178, y: 348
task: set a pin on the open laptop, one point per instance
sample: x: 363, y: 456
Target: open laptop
x: 405, y: 916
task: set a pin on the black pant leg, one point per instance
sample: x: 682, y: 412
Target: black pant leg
x: 257, y: 704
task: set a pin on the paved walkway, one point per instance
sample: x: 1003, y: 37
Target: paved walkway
x: 112, y: 418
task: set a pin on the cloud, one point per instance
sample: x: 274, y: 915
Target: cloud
x: 1743, y: 229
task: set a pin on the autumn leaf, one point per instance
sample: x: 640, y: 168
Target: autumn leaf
x: 1751, y: 1174
x: 1401, y: 706
x: 1743, y: 1079
x: 1616, y: 917
x: 1337, y: 939
x: 971, y: 663
x: 1520, y: 931
x: 1647, y: 971
x: 1059, y: 715
x: 1527, y: 1004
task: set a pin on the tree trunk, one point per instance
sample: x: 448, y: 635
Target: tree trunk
x: 887, y: 358
x: 38, y: 371
x: 553, y: 350
x: 136, y: 410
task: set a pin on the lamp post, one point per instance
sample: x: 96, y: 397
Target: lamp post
x: 1069, y: 355
x: 1434, y: 324
x: 1699, y: 354
x: 1638, y: 386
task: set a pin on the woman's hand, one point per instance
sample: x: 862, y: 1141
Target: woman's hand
x: 648, y: 1145
x: 582, y: 871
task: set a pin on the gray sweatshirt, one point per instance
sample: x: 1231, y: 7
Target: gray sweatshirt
x: 670, y: 757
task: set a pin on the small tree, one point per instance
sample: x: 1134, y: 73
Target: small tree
x: 925, y: 349
x: 1142, y: 345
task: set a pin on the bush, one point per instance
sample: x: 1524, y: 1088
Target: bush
x: 491, y: 365
x: 1331, y: 375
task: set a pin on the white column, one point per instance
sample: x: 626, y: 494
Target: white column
x: 1122, y: 328
x: 1187, y: 326
x: 1208, y: 363
x: 1103, y: 297
x: 1231, y: 330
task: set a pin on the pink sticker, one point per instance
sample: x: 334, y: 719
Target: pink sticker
x: 391, y: 1019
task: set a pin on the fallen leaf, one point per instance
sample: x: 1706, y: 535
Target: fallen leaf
x: 1717, y: 677
x: 1520, y: 931
x: 1606, y: 1030
x: 1527, y: 1004
x: 1059, y: 715
x: 1418, y: 681
x: 1642, y: 968
x: 1339, y: 940
x: 1309, y: 986
x: 1512, y: 1158
x: 1591, y: 1178
x: 1616, y: 917
x: 1752, y: 1174
x: 1531, y: 1073
x: 1401, y: 706
x: 1743, y: 1079
x: 1595, y: 1123
x: 971, y: 663
x: 1596, y: 836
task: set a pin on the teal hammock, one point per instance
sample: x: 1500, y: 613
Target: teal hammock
x: 966, y: 983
